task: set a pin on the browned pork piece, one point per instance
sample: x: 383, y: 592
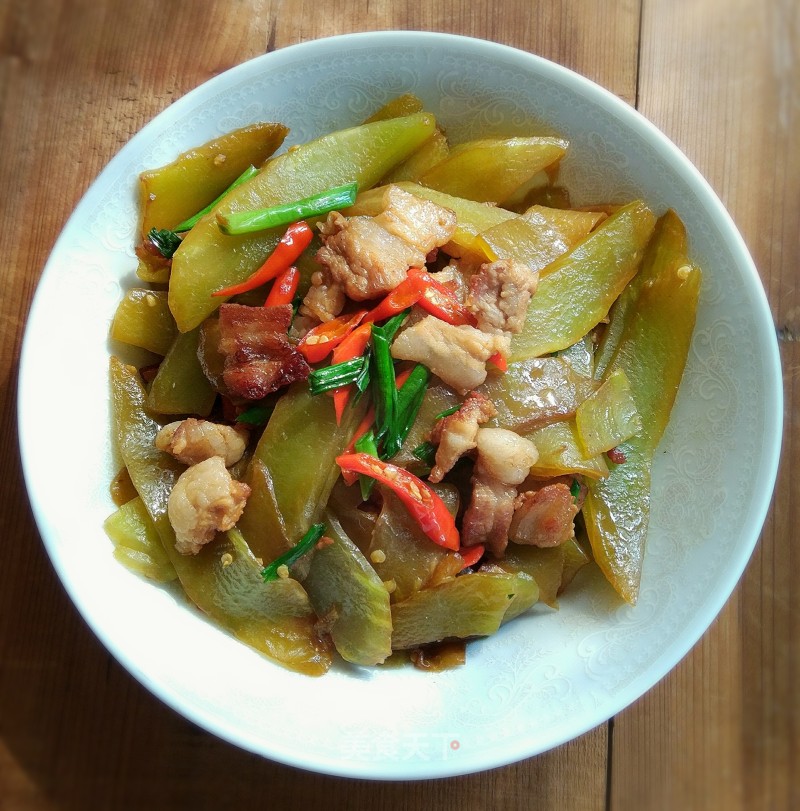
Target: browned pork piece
x: 205, y: 499
x: 365, y: 257
x: 499, y: 294
x: 456, y: 434
x: 504, y: 461
x: 489, y: 514
x: 325, y: 298
x: 258, y: 356
x: 457, y: 355
x: 191, y: 441
x: 544, y: 517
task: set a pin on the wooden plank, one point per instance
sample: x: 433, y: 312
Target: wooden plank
x: 723, y: 81
x: 589, y: 37
x: 77, y: 79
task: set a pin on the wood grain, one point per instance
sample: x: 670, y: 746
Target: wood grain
x: 77, y: 79
x: 722, y: 730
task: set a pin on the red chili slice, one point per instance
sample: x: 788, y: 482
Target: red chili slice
x: 422, y: 503
x: 442, y: 302
x: 407, y: 293
x: 499, y: 360
x: 471, y: 555
x: 296, y: 239
x: 284, y: 288
x: 319, y: 342
x: 352, y: 346
x: 419, y: 287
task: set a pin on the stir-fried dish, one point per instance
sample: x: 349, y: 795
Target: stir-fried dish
x: 395, y: 392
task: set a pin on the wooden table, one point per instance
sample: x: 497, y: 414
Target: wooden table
x: 77, y: 79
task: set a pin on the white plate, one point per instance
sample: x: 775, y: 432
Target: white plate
x: 543, y: 679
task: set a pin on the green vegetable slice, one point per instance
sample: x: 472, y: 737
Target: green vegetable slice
x: 168, y: 241
x: 608, y: 417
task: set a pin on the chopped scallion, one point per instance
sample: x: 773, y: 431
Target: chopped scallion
x: 385, y: 389
x: 256, y: 415
x: 362, y: 381
x: 337, y: 375
x: 366, y: 444
x: 302, y: 547
x: 447, y: 412
x: 168, y: 241
x: 245, y: 222
x: 165, y: 241
x: 393, y: 324
x: 426, y: 452
x: 409, y: 400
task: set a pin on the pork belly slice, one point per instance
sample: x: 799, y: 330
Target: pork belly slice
x: 457, y: 355
x: 544, y: 517
x: 420, y: 223
x: 363, y: 258
x: 258, y: 356
x: 488, y: 516
x: 366, y: 257
x: 504, y: 461
x: 456, y: 434
x: 499, y: 294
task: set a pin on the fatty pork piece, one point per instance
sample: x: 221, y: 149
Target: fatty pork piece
x: 504, y: 461
x: 456, y: 434
x: 545, y: 516
x: 456, y: 354
x: 258, y: 356
x: 499, y: 294
x: 454, y: 278
x: 366, y: 257
x: 205, y: 499
x: 191, y: 441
